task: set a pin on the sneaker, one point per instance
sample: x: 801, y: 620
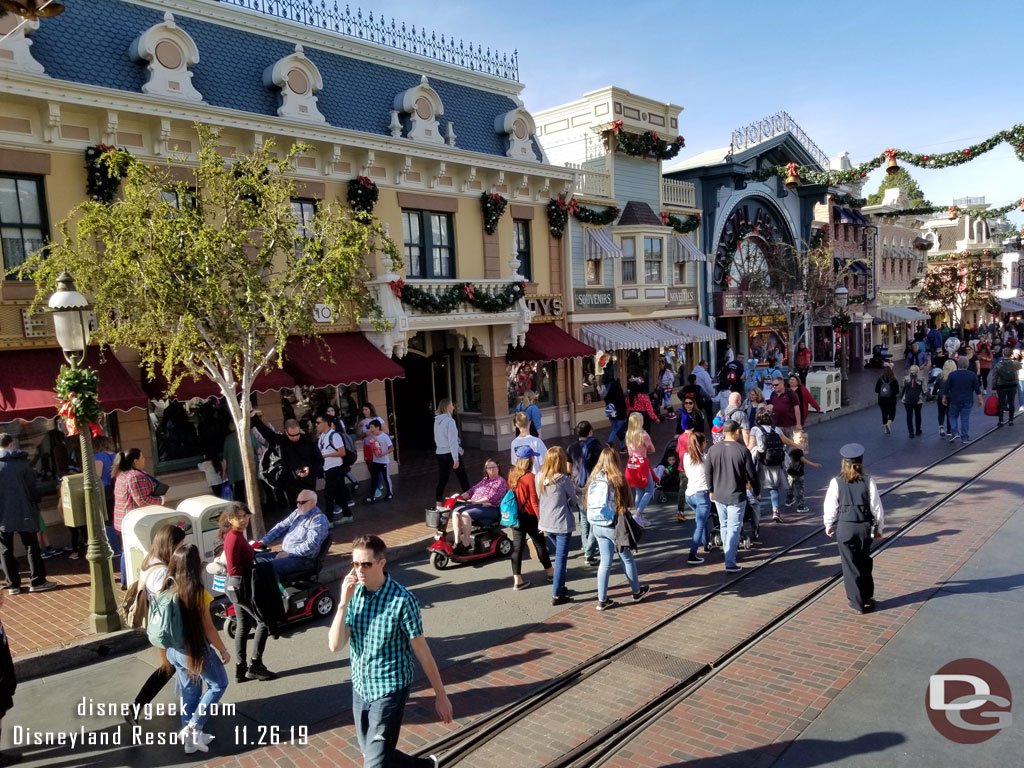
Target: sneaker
x: 346, y: 519
x: 954, y: 438
x: 68, y: 548
x: 14, y: 590
x: 803, y: 509
x: 942, y: 431
x: 919, y: 433
x: 694, y: 560
x: 47, y: 553
x: 776, y: 517
x: 733, y: 568
x: 561, y: 600
x: 259, y: 672
x: 911, y: 435
x: 644, y: 589
x: 368, y: 500
x: 389, y: 497
x: 192, y: 739
x: 593, y: 561
x: 74, y: 556
x: 642, y: 521
x: 351, y: 503
x: 999, y: 424
x: 240, y: 669
x: 680, y: 517
x: 521, y: 587
x: 46, y: 586
x: 604, y: 605
x: 789, y: 501
x: 966, y: 440
x: 886, y: 430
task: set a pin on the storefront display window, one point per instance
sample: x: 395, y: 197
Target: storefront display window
x: 304, y: 403
x: 594, y: 369
x: 471, y: 390
x: 767, y: 338
x: 186, y: 433
x: 639, y: 364
x: 823, y: 348
x: 538, y: 377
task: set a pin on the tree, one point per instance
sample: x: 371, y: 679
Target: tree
x: 904, y: 180
x: 956, y: 282
x: 211, y: 281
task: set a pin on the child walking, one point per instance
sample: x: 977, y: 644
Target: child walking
x: 795, y: 470
x: 383, y: 448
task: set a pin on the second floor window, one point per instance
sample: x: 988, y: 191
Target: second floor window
x: 429, y: 244
x: 652, y: 260
x: 593, y: 272
x: 303, y: 211
x: 521, y: 233
x: 22, y: 218
x: 628, y: 260
x: 179, y: 201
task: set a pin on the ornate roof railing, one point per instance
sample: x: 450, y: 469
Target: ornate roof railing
x: 773, y: 125
x: 329, y: 16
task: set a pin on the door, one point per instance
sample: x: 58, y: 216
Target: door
x: 427, y: 380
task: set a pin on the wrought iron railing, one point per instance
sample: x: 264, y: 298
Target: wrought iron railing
x: 773, y: 125
x: 329, y: 16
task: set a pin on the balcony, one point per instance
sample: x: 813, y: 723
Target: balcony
x: 679, y: 193
x: 590, y: 182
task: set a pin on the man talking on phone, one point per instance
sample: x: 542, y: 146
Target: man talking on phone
x: 382, y: 621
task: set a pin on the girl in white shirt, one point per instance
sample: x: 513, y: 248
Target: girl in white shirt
x: 698, y: 495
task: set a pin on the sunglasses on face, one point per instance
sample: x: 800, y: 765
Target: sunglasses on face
x: 293, y: 434
x: 363, y: 566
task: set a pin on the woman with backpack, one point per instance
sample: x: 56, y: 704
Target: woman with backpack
x: 201, y: 656
x: 556, y: 514
x: 767, y: 443
x: 638, y: 402
x: 913, y: 396
x: 607, y: 501
x: 638, y: 468
x: 698, y: 495
x: 1004, y: 382
x: 888, y: 391
x: 522, y: 483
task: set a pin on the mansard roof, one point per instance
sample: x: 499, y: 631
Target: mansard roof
x: 89, y: 43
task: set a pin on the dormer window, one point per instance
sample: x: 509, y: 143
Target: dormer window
x: 298, y: 79
x: 518, y: 126
x: 421, y: 106
x: 170, y: 52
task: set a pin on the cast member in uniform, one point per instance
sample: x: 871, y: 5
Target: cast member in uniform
x: 854, y: 515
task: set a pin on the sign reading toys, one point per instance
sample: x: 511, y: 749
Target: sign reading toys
x: 595, y: 298
x: 546, y: 308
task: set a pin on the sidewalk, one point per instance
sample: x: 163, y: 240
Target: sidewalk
x: 49, y: 631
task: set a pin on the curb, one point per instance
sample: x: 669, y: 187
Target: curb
x: 96, y: 648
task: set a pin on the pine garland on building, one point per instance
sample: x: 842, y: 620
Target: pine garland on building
x: 681, y: 226
x: 978, y: 253
x: 102, y: 180
x: 647, y: 144
x: 560, y: 210
x: 456, y: 294
x: 362, y: 194
x: 558, y: 216
x: 493, y: 207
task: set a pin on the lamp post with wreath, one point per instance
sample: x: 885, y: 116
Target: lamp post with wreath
x: 841, y: 322
x: 80, y: 408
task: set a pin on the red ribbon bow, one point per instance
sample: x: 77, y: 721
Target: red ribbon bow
x: 573, y: 206
x: 396, y: 287
x: 617, y: 126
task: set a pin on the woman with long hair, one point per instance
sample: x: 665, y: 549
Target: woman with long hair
x: 637, y: 401
x: 557, y: 514
x: 152, y: 575
x: 638, y: 469
x: 854, y: 515
x: 528, y: 405
x: 803, y: 361
x: 448, y: 449
x: 240, y: 558
x: 367, y: 414
x: 522, y: 482
x: 888, y: 390
x: 697, y: 493
x: 947, y: 368
x: 203, y: 656
x: 771, y: 471
x: 755, y: 399
x: 607, y: 498
x: 133, y: 488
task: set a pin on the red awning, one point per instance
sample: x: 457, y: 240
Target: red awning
x: 546, y: 341
x: 338, y: 358
x: 26, y: 386
x: 267, y: 381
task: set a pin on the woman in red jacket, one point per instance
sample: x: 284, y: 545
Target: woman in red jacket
x: 803, y: 362
x: 522, y: 482
x: 803, y: 394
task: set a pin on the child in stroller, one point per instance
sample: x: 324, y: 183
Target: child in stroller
x: 747, y: 540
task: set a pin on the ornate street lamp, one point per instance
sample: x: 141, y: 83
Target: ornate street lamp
x: 842, y: 299
x: 33, y: 9
x: 71, y: 311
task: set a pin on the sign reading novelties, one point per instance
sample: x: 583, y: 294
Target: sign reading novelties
x: 682, y: 297
x: 546, y: 308
x: 595, y: 298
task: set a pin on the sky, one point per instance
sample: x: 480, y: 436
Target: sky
x: 857, y: 77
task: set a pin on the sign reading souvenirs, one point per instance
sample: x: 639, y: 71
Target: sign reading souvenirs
x: 546, y: 308
x: 595, y: 298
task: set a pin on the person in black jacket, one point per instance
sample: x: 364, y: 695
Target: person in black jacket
x: 19, y: 514
x: 303, y: 463
x: 615, y: 409
x: 730, y: 470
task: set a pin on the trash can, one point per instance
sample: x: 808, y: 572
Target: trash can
x: 72, y: 497
x: 825, y: 387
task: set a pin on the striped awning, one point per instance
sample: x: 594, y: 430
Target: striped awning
x: 684, y: 249
x: 1012, y: 305
x: 692, y: 330
x: 640, y: 334
x: 899, y: 314
x: 598, y: 244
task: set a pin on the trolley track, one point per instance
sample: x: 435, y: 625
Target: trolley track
x: 460, y: 744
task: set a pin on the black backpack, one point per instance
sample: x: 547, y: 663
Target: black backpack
x: 912, y: 391
x: 1006, y: 374
x: 350, y: 447
x: 774, y: 454
x: 272, y: 468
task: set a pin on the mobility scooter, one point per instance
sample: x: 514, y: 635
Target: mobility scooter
x: 488, y: 541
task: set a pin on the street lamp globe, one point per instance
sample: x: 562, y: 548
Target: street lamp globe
x: 842, y: 296
x: 71, y: 311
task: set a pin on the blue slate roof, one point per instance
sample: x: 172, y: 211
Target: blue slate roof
x: 89, y: 43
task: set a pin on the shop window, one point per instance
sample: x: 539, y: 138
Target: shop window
x: 594, y: 272
x: 429, y: 244
x: 638, y: 364
x: 594, y: 379
x: 628, y: 260
x: 652, y: 260
x: 472, y: 392
x: 186, y: 433
x: 304, y: 404
x: 521, y: 233
x: 536, y: 377
x: 23, y: 224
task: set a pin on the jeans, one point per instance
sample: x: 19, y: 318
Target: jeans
x: 961, y: 411
x: 559, y: 544
x: 196, y: 704
x: 1006, y: 395
x: 943, y: 415
x: 913, y: 416
x: 378, y: 724
x: 730, y: 516
x: 700, y: 503
x: 617, y: 425
x: 30, y: 540
x: 336, y: 491
x: 287, y: 564
x: 587, y: 540
x: 605, y: 536
x: 796, y: 483
x: 642, y: 496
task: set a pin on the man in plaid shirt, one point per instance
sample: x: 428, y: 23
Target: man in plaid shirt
x: 382, y: 620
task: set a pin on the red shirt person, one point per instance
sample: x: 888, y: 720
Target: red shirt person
x: 804, y: 397
x: 785, y: 405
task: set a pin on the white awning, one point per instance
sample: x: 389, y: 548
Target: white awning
x: 598, y: 244
x: 1012, y: 305
x: 691, y: 330
x: 899, y: 314
x: 641, y: 334
x: 686, y: 250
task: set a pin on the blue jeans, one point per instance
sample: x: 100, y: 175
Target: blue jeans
x: 587, y: 540
x: 605, y: 535
x: 378, y: 724
x: 287, y: 564
x: 961, y: 411
x: 700, y: 503
x: 642, y: 496
x: 616, y: 425
x: 558, y: 543
x: 196, y: 704
x: 730, y: 516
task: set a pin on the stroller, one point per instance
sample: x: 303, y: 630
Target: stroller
x: 931, y: 392
x: 714, y: 529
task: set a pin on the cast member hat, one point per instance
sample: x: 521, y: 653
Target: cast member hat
x: 852, y: 451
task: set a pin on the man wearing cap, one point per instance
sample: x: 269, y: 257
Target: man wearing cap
x: 854, y: 515
x: 730, y: 469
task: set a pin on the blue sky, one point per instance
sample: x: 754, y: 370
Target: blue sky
x: 860, y: 77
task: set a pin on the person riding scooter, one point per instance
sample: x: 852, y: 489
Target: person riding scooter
x: 304, y: 531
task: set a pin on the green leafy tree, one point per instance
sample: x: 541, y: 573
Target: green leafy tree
x: 959, y: 282
x: 904, y: 180
x: 213, y: 282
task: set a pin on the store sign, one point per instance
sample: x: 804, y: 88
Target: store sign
x: 546, y: 307
x: 595, y: 298
x: 871, y: 254
x: 682, y: 297
x: 323, y: 314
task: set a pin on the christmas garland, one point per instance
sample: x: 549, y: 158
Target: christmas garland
x: 558, y: 216
x: 459, y: 293
x: 679, y: 225
x: 647, y: 144
x: 493, y: 206
x: 559, y: 211
x: 1013, y: 136
x: 841, y: 321
x: 981, y: 253
x: 78, y: 399
x: 854, y: 202
x: 956, y: 211
x: 100, y: 184
x: 362, y: 194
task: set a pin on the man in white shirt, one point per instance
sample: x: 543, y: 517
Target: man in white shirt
x: 522, y: 425
x: 332, y: 448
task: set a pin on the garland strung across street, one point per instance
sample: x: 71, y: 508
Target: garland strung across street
x: 451, y: 297
x: 956, y: 211
x: 559, y: 211
x: 647, y: 144
x: 493, y: 206
x: 681, y: 226
x: 362, y: 194
x: 981, y: 253
x: 78, y: 399
x: 100, y: 184
x: 1013, y: 136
